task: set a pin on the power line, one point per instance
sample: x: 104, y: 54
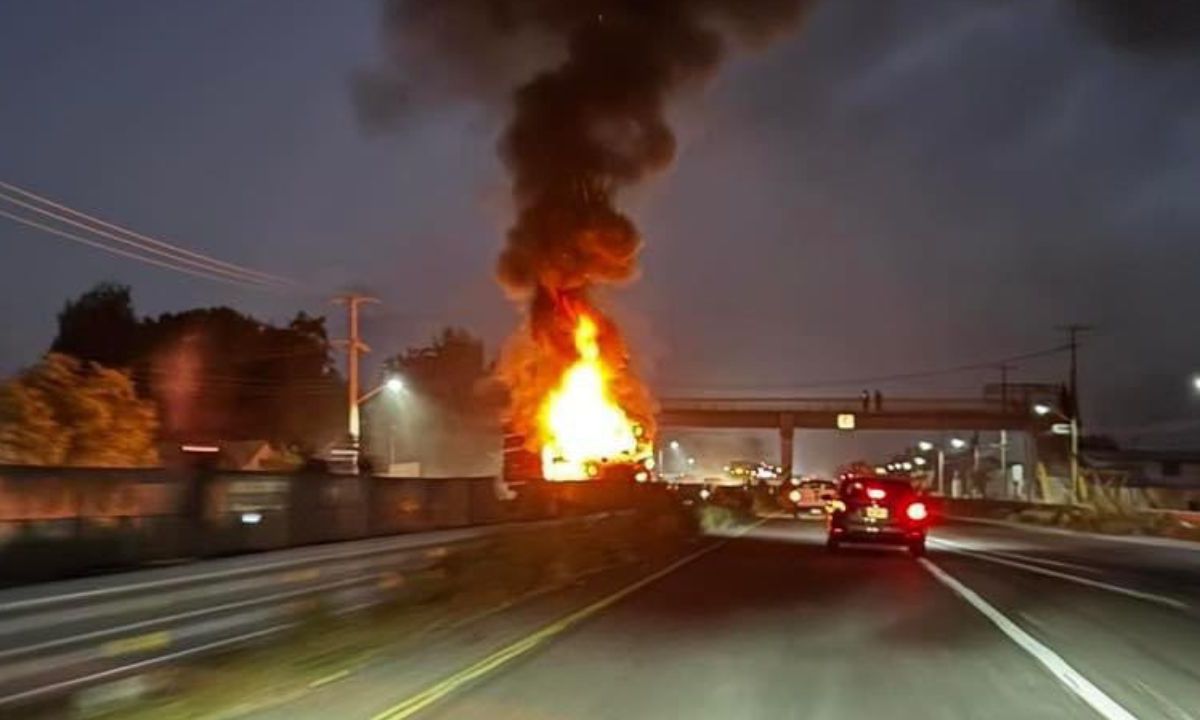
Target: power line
x: 986, y: 365
x: 125, y: 253
x: 170, y: 249
x: 171, y: 258
x: 200, y: 379
x: 176, y: 257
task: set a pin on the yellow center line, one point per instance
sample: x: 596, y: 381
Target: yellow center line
x: 412, y: 705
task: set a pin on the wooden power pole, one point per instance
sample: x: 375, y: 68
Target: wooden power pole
x: 354, y: 347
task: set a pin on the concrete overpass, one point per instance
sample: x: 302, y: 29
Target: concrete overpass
x: 847, y: 415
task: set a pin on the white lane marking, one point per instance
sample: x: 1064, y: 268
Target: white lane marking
x: 954, y: 544
x: 1044, y: 561
x: 1119, y: 590
x: 1052, y: 661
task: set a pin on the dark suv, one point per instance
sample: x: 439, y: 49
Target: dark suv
x: 883, y: 510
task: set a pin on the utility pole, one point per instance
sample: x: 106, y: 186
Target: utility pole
x: 1074, y: 330
x: 1004, y: 368
x: 354, y: 346
x: 941, y: 470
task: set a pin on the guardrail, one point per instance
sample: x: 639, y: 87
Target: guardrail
x: 59, y: 638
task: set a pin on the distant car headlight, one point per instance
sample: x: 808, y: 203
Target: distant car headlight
x: 795, y: 496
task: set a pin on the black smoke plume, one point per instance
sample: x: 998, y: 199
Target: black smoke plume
x: 1146, y: 26
x: 587, y: 82
x: 584, y: 85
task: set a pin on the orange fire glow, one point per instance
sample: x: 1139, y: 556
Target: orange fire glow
x: 583, y: 426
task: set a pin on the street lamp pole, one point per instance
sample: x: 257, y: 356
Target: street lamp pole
x: 1073, y: 424
x: 394, y: 385
x: 1004, y: 463
x: 1075, y: 494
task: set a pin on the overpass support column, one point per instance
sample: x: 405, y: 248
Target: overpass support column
x: 787, y: 437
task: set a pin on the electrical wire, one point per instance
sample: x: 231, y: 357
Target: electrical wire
x: 232, y: 380
x: 147, y: 240
x: 125, y: 253
x: 922, y: 374
x: 174, y: 254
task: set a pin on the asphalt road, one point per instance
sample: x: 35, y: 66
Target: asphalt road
x: 999, y: 623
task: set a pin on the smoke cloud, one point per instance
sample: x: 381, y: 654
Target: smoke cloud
x: 587, y: 82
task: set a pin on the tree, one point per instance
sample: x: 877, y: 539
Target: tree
x: 29, y: 434
x: 445, y: 419
x: 64, y: 411
x: 213, y: 373
x: 218, y: 374
x: 99, y: 326
x: 448, y: 370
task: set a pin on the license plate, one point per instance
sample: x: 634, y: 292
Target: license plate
x: 877, y: 513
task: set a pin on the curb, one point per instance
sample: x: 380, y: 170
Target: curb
x: 1143, y: 540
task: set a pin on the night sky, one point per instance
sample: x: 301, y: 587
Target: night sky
x: 897, y: 186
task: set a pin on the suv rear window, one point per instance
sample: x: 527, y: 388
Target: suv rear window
x: 856, y: 488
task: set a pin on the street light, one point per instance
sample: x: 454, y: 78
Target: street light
x: 662, y: 456
x: 1042, y: 410
x: 394, y: 384
x: 939, y: 469
x: 691, y: 461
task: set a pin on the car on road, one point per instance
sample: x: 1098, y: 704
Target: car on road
x: 879, y: 510
x: 812, y: 498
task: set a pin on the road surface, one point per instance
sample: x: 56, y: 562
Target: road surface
x: 999, y: 623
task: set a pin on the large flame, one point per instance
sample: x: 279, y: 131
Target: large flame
x: 583, y: 426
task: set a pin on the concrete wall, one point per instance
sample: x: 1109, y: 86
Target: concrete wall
x: 56, y: 522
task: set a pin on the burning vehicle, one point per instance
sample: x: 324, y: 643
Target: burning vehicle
x: 577, y: 412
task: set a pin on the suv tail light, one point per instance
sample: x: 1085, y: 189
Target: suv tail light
x: 917, y: 511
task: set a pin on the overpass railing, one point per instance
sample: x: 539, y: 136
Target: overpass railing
x: 842, y: 404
